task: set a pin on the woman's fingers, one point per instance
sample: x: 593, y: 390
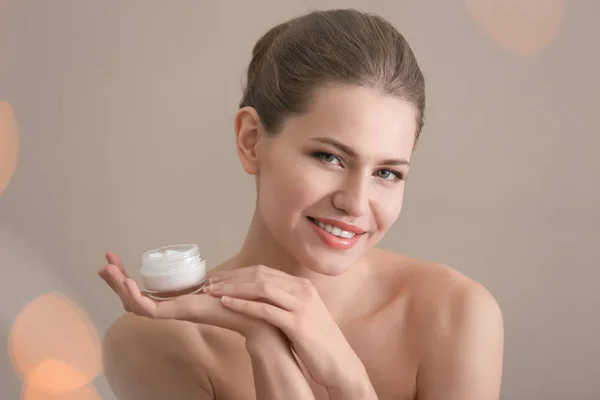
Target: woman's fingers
x: 139, y: 304
x: 184, y: 307
x: 248, y: 273
x: 266, y: 280
x: 114, y: 259
x: 111, y: 275
x: 268, y: 292
x: 196, y: 308
x: 116, y: 280
x: 207, y: 310
x: 103, y: 273
x: 271, y: 314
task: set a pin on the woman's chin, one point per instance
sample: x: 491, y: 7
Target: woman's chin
x: 330, y: 266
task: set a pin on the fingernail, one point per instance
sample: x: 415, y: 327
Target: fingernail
x: 214, y: 279
x: 215, y: 287
x: 226, y: 299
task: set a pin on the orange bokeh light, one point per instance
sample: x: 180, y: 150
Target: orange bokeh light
x: 56, y: 376
x: 53, y: 345
x: 83, y: 393
x: 521, y: 27
x: 9, y: 144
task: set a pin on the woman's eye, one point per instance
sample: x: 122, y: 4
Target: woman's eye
x: 389, y: 175
x: 328, y: 158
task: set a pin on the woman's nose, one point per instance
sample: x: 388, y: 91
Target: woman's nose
x: 353, y: 197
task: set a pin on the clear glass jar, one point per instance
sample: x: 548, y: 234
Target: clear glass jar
x: 171, y: 271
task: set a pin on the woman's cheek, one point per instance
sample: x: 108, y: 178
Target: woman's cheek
x: 280, y: 188
x: 388, y: 208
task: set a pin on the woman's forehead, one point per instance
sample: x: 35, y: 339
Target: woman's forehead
x: 361, y: 117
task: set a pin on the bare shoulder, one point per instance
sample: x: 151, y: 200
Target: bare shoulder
x: 458, y: 329
x: 155, y: 359
x: 436, y: 289
x: 453, y: 299
x: 441, y: 301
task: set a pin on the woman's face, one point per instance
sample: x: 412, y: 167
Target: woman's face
x: 331, y: 184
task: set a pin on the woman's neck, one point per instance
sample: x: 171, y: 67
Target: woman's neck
x: 261, y: 248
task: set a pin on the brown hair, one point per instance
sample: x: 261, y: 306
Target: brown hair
x: 344, y: 46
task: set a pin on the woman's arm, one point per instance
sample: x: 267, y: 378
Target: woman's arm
x: 463, y: 358
x: 294, y: 306
x: 277, y: 375
x: 357, y: 387
x: 147, y: 360
x: 158, y: 357
x: 154, y: 360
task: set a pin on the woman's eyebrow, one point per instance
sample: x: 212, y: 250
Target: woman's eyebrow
x: 352, y: 153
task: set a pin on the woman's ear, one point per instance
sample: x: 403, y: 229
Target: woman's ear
x: 248, y: 129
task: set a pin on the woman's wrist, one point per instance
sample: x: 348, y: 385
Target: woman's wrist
x: 269, y: 340
x: 351, y: 383
x: 277, y: 375
x: 353, y: 386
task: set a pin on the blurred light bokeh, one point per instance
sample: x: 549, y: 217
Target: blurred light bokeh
x: 9, y: 144
x: 53, y: 345
x: 522, y: 27
x: 83, y: 393
x: 55, y: 376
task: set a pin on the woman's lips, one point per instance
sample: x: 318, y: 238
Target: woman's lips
x: 332, y: 239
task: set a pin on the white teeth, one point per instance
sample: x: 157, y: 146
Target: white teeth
x: 346, y: 234
x: 334, y: 230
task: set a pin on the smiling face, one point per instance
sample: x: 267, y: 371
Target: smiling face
x: 331, y: 183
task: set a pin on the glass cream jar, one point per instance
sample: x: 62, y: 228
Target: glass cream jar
x: 171, y: 271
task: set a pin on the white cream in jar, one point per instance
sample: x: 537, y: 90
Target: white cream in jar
x: 171, y: 271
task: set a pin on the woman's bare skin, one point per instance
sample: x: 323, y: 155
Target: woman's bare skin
x: 399, y: 323
x: 302, y: 304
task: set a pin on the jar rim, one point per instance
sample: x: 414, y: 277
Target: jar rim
x: 184, y: 250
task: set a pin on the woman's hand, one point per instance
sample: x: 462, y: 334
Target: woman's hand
x: 276, y: 372
x: 202, y: 309
x: 293, y: 305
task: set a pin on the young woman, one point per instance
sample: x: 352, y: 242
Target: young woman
x: 309, y: 308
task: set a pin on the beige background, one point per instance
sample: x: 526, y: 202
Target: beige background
x: 126, y: 142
